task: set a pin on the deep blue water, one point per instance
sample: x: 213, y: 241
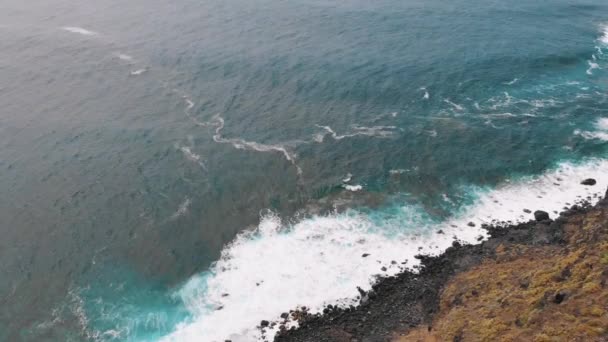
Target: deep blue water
x: 138, y: 140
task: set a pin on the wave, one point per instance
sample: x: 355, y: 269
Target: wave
x: 79, y: 30
x: 604, y: 36
x: 601, y: 132
x: 322, y: 259
x: 592, y: 66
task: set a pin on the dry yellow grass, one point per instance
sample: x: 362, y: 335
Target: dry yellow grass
x: 549, y: 293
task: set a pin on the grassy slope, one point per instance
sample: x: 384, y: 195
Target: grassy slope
x: 515, y: 296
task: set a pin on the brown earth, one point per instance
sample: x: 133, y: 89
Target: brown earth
x: 531, y: 293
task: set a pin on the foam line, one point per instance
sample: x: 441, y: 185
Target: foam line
x: 187, y: 151
x: 251, y: 145
x: 374, y: 131
x: 455, y: 105
x: 182, y: 209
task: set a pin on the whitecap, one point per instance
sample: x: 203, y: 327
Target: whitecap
x: 426, y: 95
x: 124, y: 57
x: 604, y: 36
x: 347, y: 178
x: 79, y: 30
x: 592, y: 66
x: 601, y: 132
x: 353, y: 188
x: 397, y: 171
x: 138, y: 72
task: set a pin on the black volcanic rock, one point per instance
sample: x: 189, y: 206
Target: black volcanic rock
x: 589, y: 181
x: 540, y: 215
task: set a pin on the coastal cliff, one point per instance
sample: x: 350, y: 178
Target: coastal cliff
x: 544, y: 280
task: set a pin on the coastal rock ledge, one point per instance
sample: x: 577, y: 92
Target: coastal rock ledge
x: 537, y: 281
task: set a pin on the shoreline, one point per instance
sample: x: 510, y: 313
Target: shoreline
x: 401, y: 304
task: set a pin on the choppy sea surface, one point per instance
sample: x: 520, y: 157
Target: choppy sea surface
x: 179, y: 171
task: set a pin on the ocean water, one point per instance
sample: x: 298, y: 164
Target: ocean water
x: 179, y: 171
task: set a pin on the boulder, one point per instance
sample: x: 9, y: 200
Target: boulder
x: 540, y: 215
x: 264, y: 323
x: 589, y: 181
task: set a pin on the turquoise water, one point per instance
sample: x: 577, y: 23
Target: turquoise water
x: 155, y: 156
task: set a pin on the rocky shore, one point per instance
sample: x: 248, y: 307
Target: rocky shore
x: 544, y: 280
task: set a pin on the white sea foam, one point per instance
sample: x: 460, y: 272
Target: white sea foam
x: 79, y: 30
x: 138, y: 72
x: 512, y: 82
x: 601, y: 132
x: 318, y: 260
x: 397, y: 171
x: 455, y: 105
x: 124, y: 57
x: 604, y: 36
x: 353, y: 188
x: 187, y: 151
x: 374, y: 131
x: 592, y: 66
x: 241, y: 144
x: 426, y: 95
x: 347, y: 178
x: 602, y: 124
x: 182, y: 209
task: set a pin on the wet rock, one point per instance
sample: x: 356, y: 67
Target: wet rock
x: 365, y: 255
x: 264, y: 323
x: 440, y: 231
x: 589, y: 181
x: 471, y: 224
x: 527, y: 211
x: 284, y: 315
x: 540, y: 215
